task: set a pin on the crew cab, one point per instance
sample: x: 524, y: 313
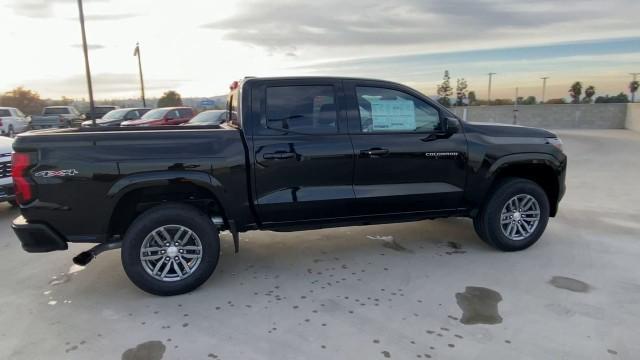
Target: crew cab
x: 302, y: 153
x: 56, y: 117
x: 12, y: 121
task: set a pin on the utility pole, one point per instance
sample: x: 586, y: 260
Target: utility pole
x: 635, y: 78
x: 86, y: 64
x: 136, y: 52
x: 489, y: 92
x: 544, y: 87
x: 515, y: 109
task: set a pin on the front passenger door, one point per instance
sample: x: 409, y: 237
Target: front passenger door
x: 405, y: 162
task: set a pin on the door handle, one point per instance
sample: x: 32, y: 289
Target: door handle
x: 374, y: 152
x: 278, y: 155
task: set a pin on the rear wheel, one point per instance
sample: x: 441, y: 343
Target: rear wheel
x: 515, y: 215
x: 11, y: 132
x: 170, y: 249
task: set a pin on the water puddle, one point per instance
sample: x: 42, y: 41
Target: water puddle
x: 479, y: 306
x: 570, y: 284
x: 390, y: 243
x: 58, y: 280
x: 150, y: 350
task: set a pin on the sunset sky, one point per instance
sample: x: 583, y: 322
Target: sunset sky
x: 199, y: 47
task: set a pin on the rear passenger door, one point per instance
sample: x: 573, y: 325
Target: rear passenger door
x: 303, y: 157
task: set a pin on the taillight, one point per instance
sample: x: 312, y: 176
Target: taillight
x: 20, y: 165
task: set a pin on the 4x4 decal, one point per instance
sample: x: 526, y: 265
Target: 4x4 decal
x: 56, y: 173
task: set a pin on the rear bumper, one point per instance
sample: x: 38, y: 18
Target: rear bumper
x: 7, y: 193
x: 37, y: 238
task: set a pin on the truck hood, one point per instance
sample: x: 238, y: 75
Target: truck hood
x: 505, y: 130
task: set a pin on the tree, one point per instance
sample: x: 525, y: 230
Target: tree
x: 472, y: 98
x: 530, y: 100
x: 170, y: 98
x: 589, y: 92
x: 557, y: 101
x: 633, y: 87
x: 26, y: 100
x: 445, y: 90
x: 501, y: 102
x: 461, y: 91
x: 620, y: 98
x: 575, y: 91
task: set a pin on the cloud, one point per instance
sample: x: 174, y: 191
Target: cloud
x: 287, y: 25
x: 105, y: 85
x: 109, y: 17
x: 38, y: 8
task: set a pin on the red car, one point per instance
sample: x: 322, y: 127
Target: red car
x: 163, y: 116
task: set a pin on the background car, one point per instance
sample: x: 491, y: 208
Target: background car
x: 56, y: 117
x: 12, y: 121
x: 6, y: 182
x: 209, y: 117
x: 99, y: 111
x: 116, y: 117
x: 163, y: 116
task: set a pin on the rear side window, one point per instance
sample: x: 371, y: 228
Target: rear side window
x: 185, y: 112
x: 301, y: 109
x: 56, y: 111
x: 387, y: 110
x: 5, y: 112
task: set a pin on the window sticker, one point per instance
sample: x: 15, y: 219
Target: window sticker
x: 398, y: 115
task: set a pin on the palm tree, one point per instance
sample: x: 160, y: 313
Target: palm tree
x: 633, y: 87
x: 589, y: 92
x: 575, y: 91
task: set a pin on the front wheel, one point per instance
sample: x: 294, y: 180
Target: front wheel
x: 170, y: 249
x: 514, y: 216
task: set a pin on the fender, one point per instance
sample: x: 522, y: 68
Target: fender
x: 524, y: 158
x: 159, y: 178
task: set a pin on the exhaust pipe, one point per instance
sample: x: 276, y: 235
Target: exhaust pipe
x: 85, y: 257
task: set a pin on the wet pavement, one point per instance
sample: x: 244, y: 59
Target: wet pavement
x: 423, y: 290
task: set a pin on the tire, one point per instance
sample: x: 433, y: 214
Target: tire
x: 170, y: 218
x: 500, y: 226
x: 11, y: 133
x: 13, y: 203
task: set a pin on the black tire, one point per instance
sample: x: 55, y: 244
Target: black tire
x: 487, y: 222
x: 163, y: 215
x: 13, y: 203
x: 11, y: 133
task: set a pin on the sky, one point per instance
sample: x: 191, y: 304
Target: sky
x: 199, y: 47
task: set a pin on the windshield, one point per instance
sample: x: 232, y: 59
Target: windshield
x: 207, y: 118
x: 154, y: 114
x: 115, y: 114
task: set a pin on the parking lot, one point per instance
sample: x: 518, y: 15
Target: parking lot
x: 428, y: 289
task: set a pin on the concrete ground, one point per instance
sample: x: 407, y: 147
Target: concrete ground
x: 376, y: 292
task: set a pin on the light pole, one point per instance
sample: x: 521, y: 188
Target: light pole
x: 544, y: 87
x: 86, y: 63
x: 489, y: 92
x: 633, y: 94
x: 136, y: 52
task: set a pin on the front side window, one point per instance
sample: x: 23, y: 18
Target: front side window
x: 4, y: 112
x: 387, y: 110
x: 302, y: 109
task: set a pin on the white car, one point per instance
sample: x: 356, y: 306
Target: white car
x: 6, y: 182
x: 12, y: 121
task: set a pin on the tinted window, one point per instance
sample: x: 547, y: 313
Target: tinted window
x: 4, y: 112
x: 173, y: 114
x: 56, y: 111
x: 154, y: 114
x: 302, y: 109
x: 185, y: 113
x: 386, y: 110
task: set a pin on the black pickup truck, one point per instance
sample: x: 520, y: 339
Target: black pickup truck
x: 302, y: 153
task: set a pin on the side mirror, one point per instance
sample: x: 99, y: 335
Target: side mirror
x: 452, y: 125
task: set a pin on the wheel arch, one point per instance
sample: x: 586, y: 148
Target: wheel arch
x: 137, y: 193
x: 543, y: 169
